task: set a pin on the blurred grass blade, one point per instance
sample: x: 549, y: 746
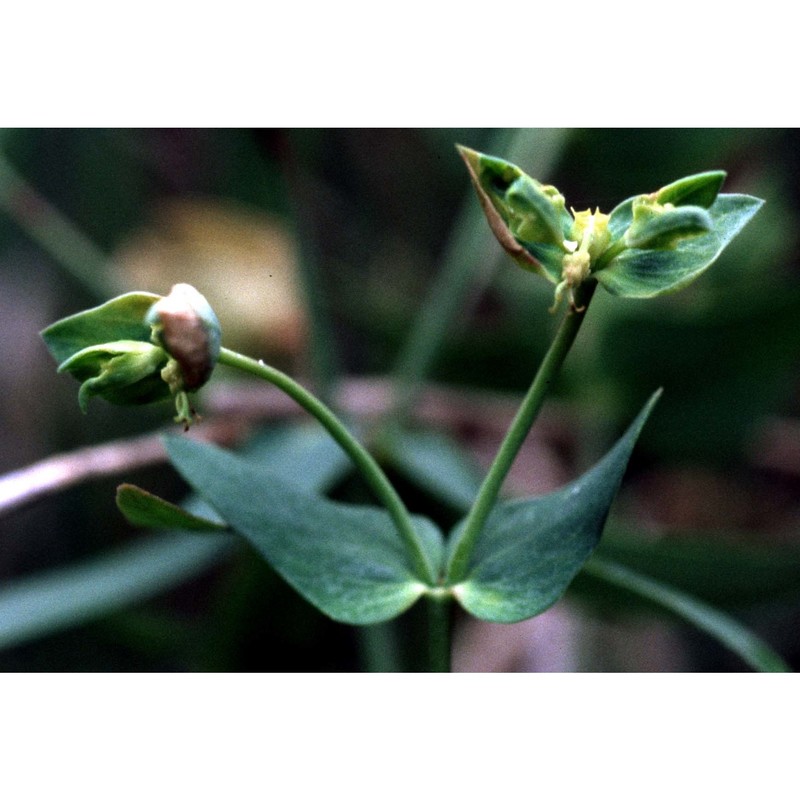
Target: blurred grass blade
x: 304, y: 455
x: 726, y: 574
x: 61, y: 598
x: 434, y: 462
x: 323, y: 358
x: 749, y: 647
x: 57, y: 235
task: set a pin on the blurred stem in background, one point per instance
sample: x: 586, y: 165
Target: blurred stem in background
x: 323, y: 358
x: 54, y: 232
x: 468, y: 264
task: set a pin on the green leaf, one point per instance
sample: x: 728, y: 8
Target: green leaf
x: 118, y: 319
x: 146, y: 510
x: 726, y: 630
x: 61, y: 598
x: 348, y: 561
x: 530, y: 550
x: 647, y: 273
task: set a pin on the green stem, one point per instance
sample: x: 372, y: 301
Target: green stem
x: 439, y: 644
x: 517, y: 432
x: 379, y: 647
x: 373, y: 474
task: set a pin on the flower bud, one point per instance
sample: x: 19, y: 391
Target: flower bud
x: 590, y: 231
x: 124, y: 373
x: 140, y: 348
x: 589, y: 237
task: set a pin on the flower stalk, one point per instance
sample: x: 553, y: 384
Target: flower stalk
x: 361, y: 457
x: 517, y: 432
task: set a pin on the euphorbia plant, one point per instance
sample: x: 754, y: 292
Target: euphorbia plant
x: 507, y: 560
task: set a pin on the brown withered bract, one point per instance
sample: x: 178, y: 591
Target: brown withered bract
x: 496, y: 224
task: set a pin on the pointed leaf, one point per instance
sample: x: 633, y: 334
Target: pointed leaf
x: 647, y: 273
x: 348, y: 561
x: 528, y: 219
x: 496, y: 223
x: 146, y: 510
x: 118, y: 319
x: 530, y: 550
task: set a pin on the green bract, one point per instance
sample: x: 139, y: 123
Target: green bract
x: 350, y: 563
x: 346, y: 560
x: 697, y: 190
x: 647, y: 273
x: 125, y: 373
x: 663, y: 227
x: 649, y: 244
x: 122, y: 318
x: 529, y: 220
x: 139, y: 348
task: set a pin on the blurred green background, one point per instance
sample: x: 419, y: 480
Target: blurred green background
x: 319, y: 250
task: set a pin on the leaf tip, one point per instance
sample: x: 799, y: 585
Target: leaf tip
x: 656, y: 396
x: 647, y: 409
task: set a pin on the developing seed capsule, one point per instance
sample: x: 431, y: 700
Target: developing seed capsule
x: 185, y: 325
